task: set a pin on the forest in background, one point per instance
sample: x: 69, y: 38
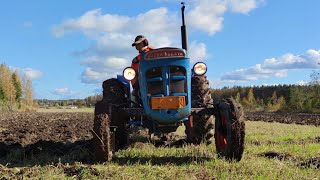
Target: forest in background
x: 16, y: 92
x: 285, y: 98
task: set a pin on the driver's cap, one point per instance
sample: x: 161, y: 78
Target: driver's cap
x: 138, y: 40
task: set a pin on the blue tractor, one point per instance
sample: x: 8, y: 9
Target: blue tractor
x: 171, y: 93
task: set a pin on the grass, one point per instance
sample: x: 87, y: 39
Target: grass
x: 144, y: 161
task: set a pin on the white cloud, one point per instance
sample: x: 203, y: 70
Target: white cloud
x: 198, y: 52
x: 243, y: 6
x: 91, y: 22
x: 252, y: 73
x: 113, y: 33
x: 99, y: 70
x: 62, y: 91
x: 207, y: 15
x: 65, y: 93
x: 302, y: 83
x: 32, y: 73
x: 276, y: 67
x: 309, y: 60
x: 91, y: 76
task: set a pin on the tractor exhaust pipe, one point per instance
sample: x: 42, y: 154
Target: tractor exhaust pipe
x: 184, y: 36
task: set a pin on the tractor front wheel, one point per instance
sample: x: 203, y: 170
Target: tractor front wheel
x: 229, y: 130
x: 200, y: 126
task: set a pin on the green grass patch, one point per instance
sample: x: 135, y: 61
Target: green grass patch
x: 293, y: 143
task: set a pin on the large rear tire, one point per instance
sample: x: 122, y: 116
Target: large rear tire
x: 109, y: 133
x: 102, y: 141
x: 200, y: 126
x: 229, y: 130
x: 115, y: 94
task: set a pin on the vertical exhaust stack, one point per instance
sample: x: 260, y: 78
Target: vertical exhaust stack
x: 184, y: 36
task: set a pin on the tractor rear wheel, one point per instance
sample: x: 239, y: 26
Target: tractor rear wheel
x: 102, y: 139
x: 115, y: 94
x: 200, y: 126
x: 229, y: 130
x: 109, y: 133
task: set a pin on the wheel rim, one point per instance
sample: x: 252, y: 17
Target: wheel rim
x: 222, y: 133
x: 222, y: 141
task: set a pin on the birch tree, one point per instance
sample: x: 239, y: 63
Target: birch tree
x: 8, y: 89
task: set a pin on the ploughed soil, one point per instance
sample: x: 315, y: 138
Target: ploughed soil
x: 288, y: 118
x: 58, y: 135
x: 29, y: 128
x: 66, y: 137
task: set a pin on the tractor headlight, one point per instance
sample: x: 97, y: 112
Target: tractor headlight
x: 129, y: 73
x: 200, y: 68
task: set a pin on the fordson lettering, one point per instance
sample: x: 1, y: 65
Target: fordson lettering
x: 164, y: 54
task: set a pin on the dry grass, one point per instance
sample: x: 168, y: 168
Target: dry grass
x: 273, y: 151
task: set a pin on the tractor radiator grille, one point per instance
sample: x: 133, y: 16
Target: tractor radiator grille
x: 154, y: 81
x: 178, y: 80
x: 167, y: 81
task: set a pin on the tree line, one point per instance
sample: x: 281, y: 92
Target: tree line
x: 15, y: 90
x: 288, y: 98
x: 89, y: 101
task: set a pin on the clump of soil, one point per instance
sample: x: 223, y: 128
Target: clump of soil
x: 313, y: 162
x: 279, y: 156
x: 309, y: 163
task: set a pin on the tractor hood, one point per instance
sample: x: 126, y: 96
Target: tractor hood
x: 165, y: 85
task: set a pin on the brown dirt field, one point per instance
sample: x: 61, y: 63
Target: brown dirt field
x: 288, y: 118
x: 66, y: 137
x: 56, y: 134
x: 29, y: 128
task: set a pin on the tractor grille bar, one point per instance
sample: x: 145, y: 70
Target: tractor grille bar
x: 155, y: 81
x: 178, y: 80
x: 163, y: 81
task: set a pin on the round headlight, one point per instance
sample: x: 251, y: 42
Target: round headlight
x: 200, y: 68
x: 129, y: 73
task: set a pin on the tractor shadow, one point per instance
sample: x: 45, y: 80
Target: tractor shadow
x: 49, y: 153
x: 45, y: 153
x: 165, y: 159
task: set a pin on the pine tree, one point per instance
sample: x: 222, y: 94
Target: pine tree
x: 297, y: 99
x: 249, y: 101
x: 17, y: 84
x: 250, y: 97
x: 274, y: 98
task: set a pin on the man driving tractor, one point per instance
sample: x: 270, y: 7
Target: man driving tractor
x: 142, y: 45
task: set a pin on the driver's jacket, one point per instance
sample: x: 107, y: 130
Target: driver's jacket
x: 135, y: 63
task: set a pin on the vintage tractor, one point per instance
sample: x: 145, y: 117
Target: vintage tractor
x: 171, y: 93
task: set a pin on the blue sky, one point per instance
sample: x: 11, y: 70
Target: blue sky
x: 69, y: 48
